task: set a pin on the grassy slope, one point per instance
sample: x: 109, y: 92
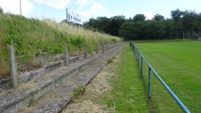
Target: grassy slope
x: 33, y: 38
x: 178, y: 63
x: 128, y: 94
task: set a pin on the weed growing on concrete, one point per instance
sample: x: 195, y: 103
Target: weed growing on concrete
x: 109, y: 60
x: 78, y: 91
x: 31, y: 102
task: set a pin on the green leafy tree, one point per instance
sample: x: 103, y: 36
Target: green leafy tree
x: 115, y: 24
x: 1, y: 10
x: 199, y: 24
x: 159, y: 17
x: 169, y: 28
x: 132, y: 30
x: 139, y: 17
x: 103, y: 23
x: 190, y: 22
x: 176, y: 15
x: 155, y: 30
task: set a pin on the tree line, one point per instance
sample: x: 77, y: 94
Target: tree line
x: 183, y: 24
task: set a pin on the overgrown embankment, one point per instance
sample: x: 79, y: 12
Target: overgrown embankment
x: 33, y: 38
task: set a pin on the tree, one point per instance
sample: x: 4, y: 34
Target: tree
x: 139, y: 17
x: 169, y: 28
x: 1, y: 10
x: 190, y: 22
x: 132, y: 30
x: 115, y: 24
x: 103, y: 23
x: 199, y: 24
x: 92, y: 24
x: 126, y: 31
x: 159, y: 17
x: 176, y: 15
x: 155, y: 30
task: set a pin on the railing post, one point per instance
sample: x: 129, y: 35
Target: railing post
x: 138, y: 63
x: 66, y: 54
x: 149, y: 83
x: 12, y: 66
x: 133, y: 49
x: 137, y: 54
x: 141, y: 62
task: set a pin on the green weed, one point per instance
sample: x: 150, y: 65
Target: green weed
x: 109, y: 60
x: 78, y: 91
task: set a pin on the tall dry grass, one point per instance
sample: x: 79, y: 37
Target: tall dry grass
x: 33, y: 38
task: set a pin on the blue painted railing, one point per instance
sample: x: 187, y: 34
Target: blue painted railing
x: 140, y: 58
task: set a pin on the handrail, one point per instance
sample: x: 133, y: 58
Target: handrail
x: 174, y: 96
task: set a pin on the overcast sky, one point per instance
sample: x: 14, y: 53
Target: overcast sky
x: 55, y: 9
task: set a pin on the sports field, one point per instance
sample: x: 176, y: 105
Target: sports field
x: 179, y: 65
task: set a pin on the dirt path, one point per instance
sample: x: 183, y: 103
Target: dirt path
x: 90, y: 101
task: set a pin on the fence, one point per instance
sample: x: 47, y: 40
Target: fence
x: 140, y: 59
x: 56, y: 61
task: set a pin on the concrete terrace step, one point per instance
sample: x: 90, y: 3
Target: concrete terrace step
x: 25, y: 94
x: 59, y: 98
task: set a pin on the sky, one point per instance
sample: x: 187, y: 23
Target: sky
x: 56, y: 9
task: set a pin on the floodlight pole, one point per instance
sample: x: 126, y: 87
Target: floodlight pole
x: 20, y: 8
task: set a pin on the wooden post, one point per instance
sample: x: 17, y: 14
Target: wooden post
x: 108, y: 47
x: 96, y: 48
x: 12, y: 66
x: 85, y: 49
x: 66, y: 54
x: 103, y: 47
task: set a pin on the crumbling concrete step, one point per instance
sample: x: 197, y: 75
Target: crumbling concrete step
x: 14, y: 100
x: 57, y: 99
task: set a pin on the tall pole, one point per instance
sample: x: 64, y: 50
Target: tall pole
x: 20, y: 8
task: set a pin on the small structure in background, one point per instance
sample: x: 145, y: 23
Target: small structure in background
x: 73, y: 17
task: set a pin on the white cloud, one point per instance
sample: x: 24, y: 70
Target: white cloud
x: 158, y: 5
x: 59, y: 4
x: 81, y: 3
x: 149, y: 15
x: 13, y: 6
x: 95, y: 8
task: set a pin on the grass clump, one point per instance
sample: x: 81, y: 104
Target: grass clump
x: 33, y: 38
x: 109, y: 60
x: 78, y: 91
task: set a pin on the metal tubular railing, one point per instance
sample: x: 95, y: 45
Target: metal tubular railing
x: 140, y: 58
